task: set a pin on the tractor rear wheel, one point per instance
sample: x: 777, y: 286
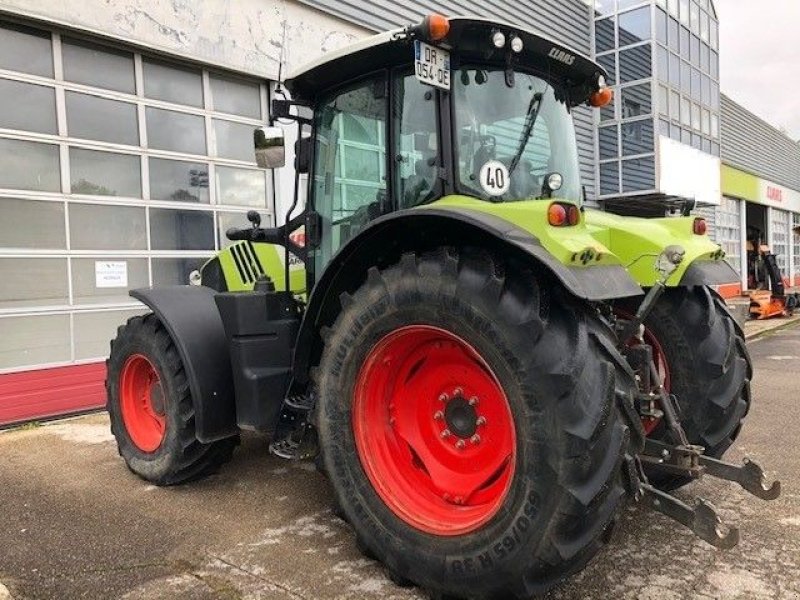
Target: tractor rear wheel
x: 469, y: 423
x: 701, y: 353
x: 151, y: 410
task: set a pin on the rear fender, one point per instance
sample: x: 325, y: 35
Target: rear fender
x: 386, y: 239
x: 192, y: 319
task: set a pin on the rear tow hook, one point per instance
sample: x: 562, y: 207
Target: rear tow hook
x: 689, y: 461
x: 749, y: 475
x: 703, y: 519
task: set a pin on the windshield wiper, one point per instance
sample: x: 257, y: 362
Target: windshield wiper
x: 530, y: 121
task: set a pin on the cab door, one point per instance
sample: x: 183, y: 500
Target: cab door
x: 349, y: 178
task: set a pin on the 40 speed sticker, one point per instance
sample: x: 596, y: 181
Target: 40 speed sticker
x: 494, y: 178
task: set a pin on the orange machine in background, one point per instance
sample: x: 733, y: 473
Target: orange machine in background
x: 768, y: 297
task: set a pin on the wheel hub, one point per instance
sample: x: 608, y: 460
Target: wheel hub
x: 461, y: 417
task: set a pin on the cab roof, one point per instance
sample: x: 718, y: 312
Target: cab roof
x: 469, y: 40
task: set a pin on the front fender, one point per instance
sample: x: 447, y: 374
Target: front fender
x: 193, y: 321
x: 637, y: 242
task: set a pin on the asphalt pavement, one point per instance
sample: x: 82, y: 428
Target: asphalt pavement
x: 75, y: 523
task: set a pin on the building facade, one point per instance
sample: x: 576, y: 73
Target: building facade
x: 126, y: 125
x: 761, y: 191
x: 125, y: 134
x: 660, y: 140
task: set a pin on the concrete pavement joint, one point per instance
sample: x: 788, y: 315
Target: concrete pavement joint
x: 276, y: 584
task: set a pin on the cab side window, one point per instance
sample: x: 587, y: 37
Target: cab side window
x: 350, y: 163
x: 414, y: 114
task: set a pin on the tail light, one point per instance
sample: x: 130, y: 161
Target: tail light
x: 563, y: 215
x: 699, y: 227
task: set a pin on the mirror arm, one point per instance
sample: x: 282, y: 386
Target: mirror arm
x: 282, y: 109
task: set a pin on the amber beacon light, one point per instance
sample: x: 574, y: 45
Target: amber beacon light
x: 602, y: 97
x: 435, y: 27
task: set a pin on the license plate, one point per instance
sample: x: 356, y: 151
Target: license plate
x: 432, y: 65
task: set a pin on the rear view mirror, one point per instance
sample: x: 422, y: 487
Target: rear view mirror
x: 270, y: 147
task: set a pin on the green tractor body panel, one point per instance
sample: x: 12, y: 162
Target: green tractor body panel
x: 637, y: 242
x: 599, y: 239
x: 244, y: 262
x: 571, y: 246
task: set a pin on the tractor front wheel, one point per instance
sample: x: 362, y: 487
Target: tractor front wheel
x: 701, y: 354
x: 151, y: 410
x: 468, y: 419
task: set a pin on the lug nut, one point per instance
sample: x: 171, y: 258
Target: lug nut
x: 481, y: 421
x: 475, y: 439
x: 460, y: 444
x: 458, y: 392
x: 438, y: 415
x: 445, y: 433
x: 443, y: 398
x: 473, y: 401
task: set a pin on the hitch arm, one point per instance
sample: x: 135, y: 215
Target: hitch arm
x: 702, y: 519
x: 691, y: 462
x: 749, y: 475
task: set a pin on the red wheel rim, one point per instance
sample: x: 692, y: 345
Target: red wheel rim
x: 662, y: 366
x: 434, y: 431
x: 142, y: 403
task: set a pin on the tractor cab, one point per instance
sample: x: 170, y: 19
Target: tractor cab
x: 460, y: 106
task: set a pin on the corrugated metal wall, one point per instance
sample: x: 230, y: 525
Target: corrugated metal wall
x: 567, y: 21
x: 751, y: 144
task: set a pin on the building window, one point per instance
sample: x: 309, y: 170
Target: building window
x: 661, y: 26
x: 25, y: 50
x: 96, y: 118
x: 637, y: 137
x: 779, y: 223
x: 608, y: 142
x: 728, y: 230
x: 635, y: 63
x: 634, y: 26
x: 27, y: 106
x: 15, y: 226
x: 604, y: 35
x: 105, y: 173
x: 179, y: 181
x: 609, y: 63
x: 152, y: 168
x: 638, y: 174
x: 98, y: 66
x: 170, y: 83
x: 636, y: 101
x: 28, y: 165
x: 609, y: 178
x: 796, y: 246
x: 175, y: 131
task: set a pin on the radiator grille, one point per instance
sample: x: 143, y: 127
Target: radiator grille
x: 247, y: 263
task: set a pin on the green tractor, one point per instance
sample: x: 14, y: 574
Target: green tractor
x: 485, y: 369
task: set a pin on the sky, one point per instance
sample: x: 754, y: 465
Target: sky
x: 760, y: 58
